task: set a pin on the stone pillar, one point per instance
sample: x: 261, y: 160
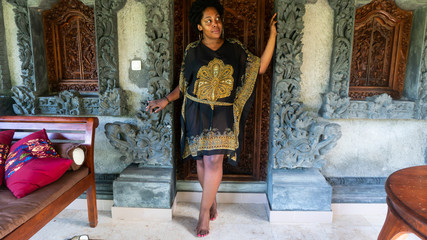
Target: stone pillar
x: 298, y: 139
x: 146, y: 189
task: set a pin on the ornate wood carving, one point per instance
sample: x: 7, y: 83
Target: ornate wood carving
x: 110, y: 99
x: 380, y: 49
x: 336, y: 103
x: 69, y: 31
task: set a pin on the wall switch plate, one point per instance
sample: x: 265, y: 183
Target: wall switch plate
x: 136, y: 65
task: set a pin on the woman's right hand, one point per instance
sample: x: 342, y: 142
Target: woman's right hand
x: 156, y: 105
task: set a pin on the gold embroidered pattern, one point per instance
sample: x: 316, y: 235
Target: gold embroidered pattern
x: 244, y: 93
x: 210, y: 140
x: 214, y: 81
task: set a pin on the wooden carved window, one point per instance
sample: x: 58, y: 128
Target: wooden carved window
x: 380, y: 50
x: 69, y: 32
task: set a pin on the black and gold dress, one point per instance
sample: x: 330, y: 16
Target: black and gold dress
x: 218, y: 91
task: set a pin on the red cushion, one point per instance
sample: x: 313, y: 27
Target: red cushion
x: 36, y: 174
x: 33, y: 163
x: 5, y: 140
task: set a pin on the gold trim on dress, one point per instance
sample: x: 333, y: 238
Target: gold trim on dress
x: 209, y: 140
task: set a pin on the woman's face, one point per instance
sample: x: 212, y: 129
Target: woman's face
x: 211, y: 24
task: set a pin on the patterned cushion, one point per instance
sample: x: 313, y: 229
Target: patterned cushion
x: 33, y: 163
x: 5, y: 140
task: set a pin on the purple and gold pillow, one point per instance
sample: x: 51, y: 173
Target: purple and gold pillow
x: 5, y: 140
x: 33, y: 163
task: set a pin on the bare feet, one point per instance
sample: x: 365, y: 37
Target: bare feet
x: 202, y: 229
x: 213, y: 214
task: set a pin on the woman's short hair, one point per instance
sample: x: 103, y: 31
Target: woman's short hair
x: 196, y: 11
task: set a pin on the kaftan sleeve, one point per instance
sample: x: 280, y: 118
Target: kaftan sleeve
x: 186, y: 69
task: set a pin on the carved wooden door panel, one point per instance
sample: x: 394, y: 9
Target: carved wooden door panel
x: 380, y: 50
x: 247, y: 21
x: 69, y: 31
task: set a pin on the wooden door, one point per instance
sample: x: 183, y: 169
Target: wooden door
x: 247, y: 21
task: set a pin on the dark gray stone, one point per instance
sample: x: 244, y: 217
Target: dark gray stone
x: 416, y: 45
x: 39, y: 50
x: 144, y: 188
x: 299, y: 190
x: 6, y: 106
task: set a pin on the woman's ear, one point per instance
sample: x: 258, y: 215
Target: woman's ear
x: 199, y: 27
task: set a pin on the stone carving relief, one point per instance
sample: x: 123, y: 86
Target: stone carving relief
x: 68, y: 103
x: 149, y: 141
x: 336, y: 103
x: 298, y: 139
x: 25, y: 101
x: 111, y: 98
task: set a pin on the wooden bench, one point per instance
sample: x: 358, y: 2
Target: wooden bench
x: 40, y: 207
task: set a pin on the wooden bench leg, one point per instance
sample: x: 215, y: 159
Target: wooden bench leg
x: 92, y: 209
x: 393, y: 228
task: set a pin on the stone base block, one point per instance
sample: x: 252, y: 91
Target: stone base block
x: 6, y: 107
x: 144, y: 188
x: 299, y: 190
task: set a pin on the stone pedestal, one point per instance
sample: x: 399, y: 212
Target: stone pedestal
x: 144, y: 188
x: 298, y: 190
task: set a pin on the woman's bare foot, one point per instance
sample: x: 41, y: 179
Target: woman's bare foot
x: 202, y: 229
x: 213, y: 214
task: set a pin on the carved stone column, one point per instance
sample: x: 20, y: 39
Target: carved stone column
x: 111, y: 97
x: 146, y: 144
x: 298, y: 138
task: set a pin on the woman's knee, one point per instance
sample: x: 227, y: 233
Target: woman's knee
x: 213, y: 161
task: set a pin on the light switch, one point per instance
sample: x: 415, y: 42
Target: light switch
x: 136, y: 65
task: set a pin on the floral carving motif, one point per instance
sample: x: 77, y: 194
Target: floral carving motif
x: 299, y: 139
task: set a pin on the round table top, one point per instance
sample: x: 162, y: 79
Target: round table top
x: 407, y: 188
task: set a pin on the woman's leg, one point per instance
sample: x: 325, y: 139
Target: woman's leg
x: 213, y: 214
x: 212, y: 176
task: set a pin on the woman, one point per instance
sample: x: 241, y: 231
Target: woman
x: 217, y: 83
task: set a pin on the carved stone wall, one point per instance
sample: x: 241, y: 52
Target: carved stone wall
x: 149, y: 141
x: 336, y: 103
x: 110, y: 99
x: 298, y: 138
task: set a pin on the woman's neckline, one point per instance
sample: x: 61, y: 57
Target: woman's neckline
x: 222, y: 44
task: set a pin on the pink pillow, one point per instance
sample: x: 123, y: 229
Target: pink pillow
x: 5, y: 140
x: 33, y: 163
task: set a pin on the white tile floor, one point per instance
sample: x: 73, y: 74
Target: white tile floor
x: 235, y: 221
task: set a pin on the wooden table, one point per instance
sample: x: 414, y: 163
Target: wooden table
x: 407, y: 203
